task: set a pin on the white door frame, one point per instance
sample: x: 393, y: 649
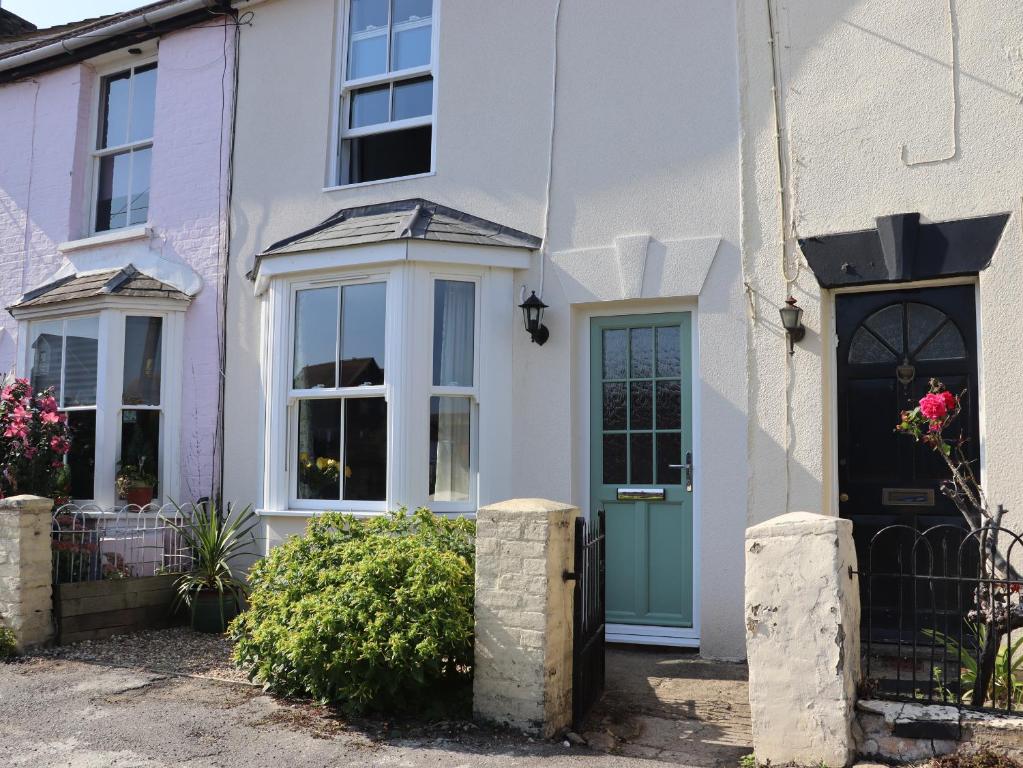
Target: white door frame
x: 680, y: 637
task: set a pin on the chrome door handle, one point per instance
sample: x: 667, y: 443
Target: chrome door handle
x: 689, y: 470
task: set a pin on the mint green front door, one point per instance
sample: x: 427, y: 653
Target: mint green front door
x: 641, y: 442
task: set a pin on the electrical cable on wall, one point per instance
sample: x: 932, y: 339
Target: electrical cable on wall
x: 550, y: 156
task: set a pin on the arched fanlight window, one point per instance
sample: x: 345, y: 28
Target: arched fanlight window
x: 907, y: 331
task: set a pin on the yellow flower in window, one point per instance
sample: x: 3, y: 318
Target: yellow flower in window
x: 321, y: 463
x: 348, y: 472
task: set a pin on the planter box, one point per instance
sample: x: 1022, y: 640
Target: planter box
x: 93, y: 610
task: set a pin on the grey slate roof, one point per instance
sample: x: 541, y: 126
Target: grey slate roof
x: 414, y: 219
x: 127, y: 281
x: 11, y: 24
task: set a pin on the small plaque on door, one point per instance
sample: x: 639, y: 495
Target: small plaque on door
x: 640, y: 494
x: 907, y: 497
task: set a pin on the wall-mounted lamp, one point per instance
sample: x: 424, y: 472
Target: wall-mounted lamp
x: 532, y: 313
x: 792, y: 322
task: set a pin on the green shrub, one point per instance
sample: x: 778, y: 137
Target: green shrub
x: 8, y: 645
x: 370, y: 615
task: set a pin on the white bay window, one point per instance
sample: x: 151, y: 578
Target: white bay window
x: 115, y: 371
x: 376, y: 400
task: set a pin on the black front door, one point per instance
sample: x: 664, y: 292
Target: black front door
x: 890, y: 344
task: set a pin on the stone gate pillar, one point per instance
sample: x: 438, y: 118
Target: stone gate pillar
x: 523, y: 674
x: 26, y: 569
x: 802, y: 639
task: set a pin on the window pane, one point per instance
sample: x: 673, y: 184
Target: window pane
x: 669, y: 404
x: 80, y: 364
x: 139, y: 206
x: 143, y: 102
x: 641, y: 342
x: 669, y: 352
x: 616, y: 354
x: 370, y: 106
x: 365, y: 449
x: 362, y: 334
x: 411, y: 29
x: 82, y: 457
x: 614, y: 405
x: 615, y: 453
x: 413, y: 98
x: 669, y: 451
x: 387, y: 155
x: 47, y: 344
x: 454, y: 320
x: 114, y: 110
x: 450, y: 434
x: 319, y: 449
x: 140, y: 443
x: 367, y: 38
x: 113, y: 193
x: 316, y: 314
x: 641, y: 457
x: 142, y: 360
x: 641, y: 407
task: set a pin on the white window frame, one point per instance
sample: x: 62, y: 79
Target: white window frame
x: 343, y: 89
x: 336, y: 393
x: 110, y: 381
x: 408, y: 386
x: 96, y: 155
x: 472, y: 393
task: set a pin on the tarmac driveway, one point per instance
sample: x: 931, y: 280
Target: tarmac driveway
x: 55, y: 712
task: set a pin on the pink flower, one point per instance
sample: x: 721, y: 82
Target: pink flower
x: 20, y: 413
x: 48, y: 403
x: 7, y: 394
x: 17, y: 429
x: 59, y: 444
x: 950, y: 400
x: 934, y: 406
x: 50, y: 417
x: 30, y: 452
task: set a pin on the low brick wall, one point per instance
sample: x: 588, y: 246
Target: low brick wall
x: 904, y: 732
x: 92, y: 610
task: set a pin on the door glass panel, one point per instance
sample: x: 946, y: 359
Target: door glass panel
x: 669, y: 362
x: 616, y: 352
x: 80, y: 366
x: 450, y: 431
x: 142, y: 360
x: 365, y: 469
x: 363, y: 322
x: 923, y: 321
x: 319, y: 449
x: 316, y: 314
x: 865, y: 348
x: 946, y: 345
x: 641, y: 457
x: 642, y: 352
x: 614, y: 405
x: 615, y: 454
x: 669, y: 451
x: 669, y: 404
x: 887, y: 324
x: 641, y: 410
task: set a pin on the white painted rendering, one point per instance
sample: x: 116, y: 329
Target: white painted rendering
x: 644, y: 187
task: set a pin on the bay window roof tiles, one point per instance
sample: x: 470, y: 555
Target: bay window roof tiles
x: 413, y: 219
x: 127, y: 281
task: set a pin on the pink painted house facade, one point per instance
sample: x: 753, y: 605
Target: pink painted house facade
x: 114, y: 180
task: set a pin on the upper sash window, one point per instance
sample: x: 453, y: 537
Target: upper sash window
x: 124, y: 148
x: 386, y: 100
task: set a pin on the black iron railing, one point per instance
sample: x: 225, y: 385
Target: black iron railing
x: 942, y: 616
x: 588, y: 611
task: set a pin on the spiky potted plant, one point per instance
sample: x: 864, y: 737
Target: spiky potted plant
x: 210, y: 589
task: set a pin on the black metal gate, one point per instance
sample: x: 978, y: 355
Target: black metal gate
x: 588, y: 612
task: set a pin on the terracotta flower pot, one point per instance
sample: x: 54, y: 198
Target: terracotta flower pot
x: 140, y: 495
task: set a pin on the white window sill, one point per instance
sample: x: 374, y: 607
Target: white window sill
x: 471, y: 514
x: 105, y: 238
x: 339, y: 187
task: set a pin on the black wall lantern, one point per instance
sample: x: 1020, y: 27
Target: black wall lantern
x: 532, y: 313
x: 792, y: 322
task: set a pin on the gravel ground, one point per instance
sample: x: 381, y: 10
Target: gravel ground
x: 176, y: 651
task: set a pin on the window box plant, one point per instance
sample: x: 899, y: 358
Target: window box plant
x: 136, y: 484
x: 210, y: 589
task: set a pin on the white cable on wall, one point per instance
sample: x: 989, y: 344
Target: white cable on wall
x: 550, y: 153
